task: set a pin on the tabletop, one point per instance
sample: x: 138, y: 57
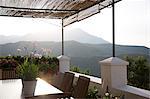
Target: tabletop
x: 12, y: 89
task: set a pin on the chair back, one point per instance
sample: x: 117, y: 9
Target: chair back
x: 67, y: 82
x: 81, y: 89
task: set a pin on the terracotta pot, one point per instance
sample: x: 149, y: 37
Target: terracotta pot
x: 29, y: 87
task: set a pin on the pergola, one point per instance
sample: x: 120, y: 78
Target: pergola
x: 69, y: 11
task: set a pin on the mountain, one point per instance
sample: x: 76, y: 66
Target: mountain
x: 74, y: 34
x: 9, y: 39
x: 83, y: 37
x: 86, y: 56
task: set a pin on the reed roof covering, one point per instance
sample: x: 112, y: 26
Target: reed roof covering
x: 68, y: 10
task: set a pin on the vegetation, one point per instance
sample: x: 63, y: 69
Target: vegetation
x: 49, y: 65
x: 93, y: 93
x: 27, y: 71
x: 92, y: 52
x: 29, y: 65
x: 78, y: 70
x: 8, y: 64
x: 138, y: 72
x: 45, y: 63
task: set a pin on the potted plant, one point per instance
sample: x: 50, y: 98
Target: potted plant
x: 28, y: 72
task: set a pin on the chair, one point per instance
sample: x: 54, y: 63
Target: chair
x: 81, y: 89
x: 67, y: 82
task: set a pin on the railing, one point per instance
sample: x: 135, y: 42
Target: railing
x: 8, y: 74
x: 129, y: 92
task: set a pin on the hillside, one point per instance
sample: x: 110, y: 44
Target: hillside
x: 83, y: 55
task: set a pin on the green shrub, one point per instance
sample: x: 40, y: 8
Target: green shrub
x: 8, y: 64
x: 138, y: 72
x: 45, y: 64
x: 93, y: 93
x: 47, y: 68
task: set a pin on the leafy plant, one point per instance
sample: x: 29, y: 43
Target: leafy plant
x: 93, y: 93
x: 27, y: 71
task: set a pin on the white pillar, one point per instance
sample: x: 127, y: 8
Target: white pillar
x: 113, y: 72
x: 64, y: 63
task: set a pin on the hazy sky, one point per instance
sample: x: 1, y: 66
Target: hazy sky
x: 132, y: 24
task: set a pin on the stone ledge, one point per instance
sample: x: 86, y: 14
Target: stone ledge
x: 92, y: 78
x: 135, y: 91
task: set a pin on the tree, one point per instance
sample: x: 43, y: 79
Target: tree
x: 138, y: 72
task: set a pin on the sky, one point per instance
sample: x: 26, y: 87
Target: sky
x: 131, y: 28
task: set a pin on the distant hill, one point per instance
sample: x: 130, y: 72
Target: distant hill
x: 9, y: 39
x: 74, y: 34
x: 83, y: 55
x: 83, y: 37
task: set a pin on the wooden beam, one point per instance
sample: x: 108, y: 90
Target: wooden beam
x: 35, y: 9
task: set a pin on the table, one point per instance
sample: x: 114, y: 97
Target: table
x: 12, y: 89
